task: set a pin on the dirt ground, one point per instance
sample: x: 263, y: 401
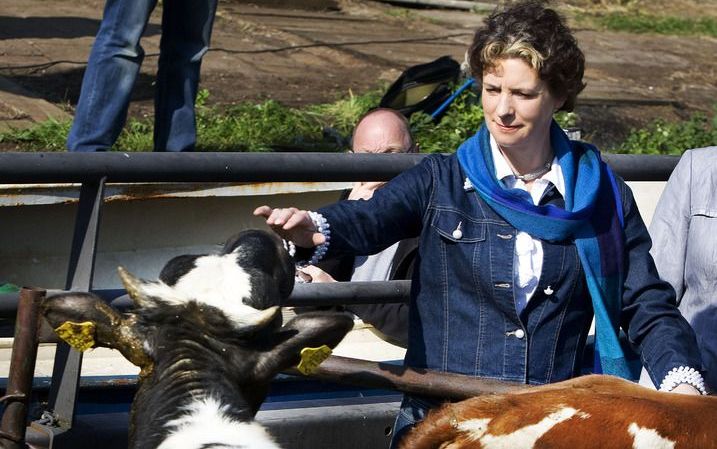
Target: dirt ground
x: 308, y: 51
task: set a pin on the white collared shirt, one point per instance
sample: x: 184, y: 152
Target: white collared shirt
x: 528, y: 256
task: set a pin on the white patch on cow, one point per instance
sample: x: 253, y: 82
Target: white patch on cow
x: 206, y: 423
x: 475, y: 428
x: 216, y: 281
x: 523, y: 438
x: 645, y: 438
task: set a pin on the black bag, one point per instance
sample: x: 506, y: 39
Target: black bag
x: 423, y: 87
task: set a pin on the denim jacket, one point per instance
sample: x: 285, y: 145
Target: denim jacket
x: 463, y: 316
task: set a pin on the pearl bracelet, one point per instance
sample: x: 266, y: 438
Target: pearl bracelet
x: 290, y: 247
x: 683, y: 375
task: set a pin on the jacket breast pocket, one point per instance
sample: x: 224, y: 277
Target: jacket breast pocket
x: 457, y: 227
x: 702, y: 246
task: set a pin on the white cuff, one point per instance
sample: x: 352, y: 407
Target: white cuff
x: 683, y: 375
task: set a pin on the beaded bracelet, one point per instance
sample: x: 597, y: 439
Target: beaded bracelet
x: 322, y: 226
x: 683, y: 375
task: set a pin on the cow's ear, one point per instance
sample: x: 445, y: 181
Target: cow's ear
x: 308, y: 330
x: 85, y: 321
x: 80, y: 316
x: 265, y: 252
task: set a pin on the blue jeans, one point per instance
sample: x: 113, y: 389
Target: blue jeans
x: 413, y: 410
x: 114, y: 63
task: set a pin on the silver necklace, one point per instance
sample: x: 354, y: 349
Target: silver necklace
x: 532, y: 176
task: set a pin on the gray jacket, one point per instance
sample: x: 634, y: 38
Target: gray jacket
x: 684, y: 235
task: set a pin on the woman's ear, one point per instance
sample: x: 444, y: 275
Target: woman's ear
x: 559, y: 103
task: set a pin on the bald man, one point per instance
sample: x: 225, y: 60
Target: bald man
x: 379, y: 131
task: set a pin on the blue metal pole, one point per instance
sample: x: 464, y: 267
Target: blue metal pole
x: 450, y: 99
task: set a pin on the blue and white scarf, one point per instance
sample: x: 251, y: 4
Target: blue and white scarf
x: 592, y: 217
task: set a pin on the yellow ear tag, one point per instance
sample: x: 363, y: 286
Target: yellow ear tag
x: 311, y: 358
x: 80, y: 336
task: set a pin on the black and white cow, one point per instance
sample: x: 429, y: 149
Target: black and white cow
x: 208, y: 338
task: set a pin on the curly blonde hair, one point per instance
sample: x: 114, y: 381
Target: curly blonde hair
x: 531, y: 31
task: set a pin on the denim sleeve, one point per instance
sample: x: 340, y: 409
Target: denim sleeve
x: 395, y: 212
x: 649, y: 316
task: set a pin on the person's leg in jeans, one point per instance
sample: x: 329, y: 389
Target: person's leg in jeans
x: 110, y: 75
x: 186, y: 30
x: 413, y: 410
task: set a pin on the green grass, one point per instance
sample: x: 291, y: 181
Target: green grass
x: 136, y: 136
x: 256, y: 127
x: 343, y: 114
x: 636, y: 22
x: 662, y: 137
x: 49, y: 135
x: 461, y: 120
x: 244, y: 127
x: 270, y: 126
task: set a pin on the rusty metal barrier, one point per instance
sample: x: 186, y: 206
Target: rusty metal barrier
x: 22, y: 366
x: 363, y: 373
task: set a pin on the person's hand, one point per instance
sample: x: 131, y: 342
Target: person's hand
x: 685, y: 389
x: 292, y: 224
x: 317, y: 274
x: 364, y: 190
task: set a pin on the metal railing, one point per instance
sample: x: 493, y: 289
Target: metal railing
x: 253, y: 167
x: 94, y: 170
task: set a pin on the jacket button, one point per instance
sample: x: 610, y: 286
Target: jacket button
x: 457, y: 233
x: 519, y: 334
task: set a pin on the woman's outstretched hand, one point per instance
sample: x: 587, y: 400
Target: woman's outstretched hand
x: 292, y: 224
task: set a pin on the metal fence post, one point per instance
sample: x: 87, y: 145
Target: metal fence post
x: 68, y: 362
x: 22, y: 368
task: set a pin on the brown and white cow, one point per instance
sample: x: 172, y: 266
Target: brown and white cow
x: 590, y: 412
x: 208, y: 339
